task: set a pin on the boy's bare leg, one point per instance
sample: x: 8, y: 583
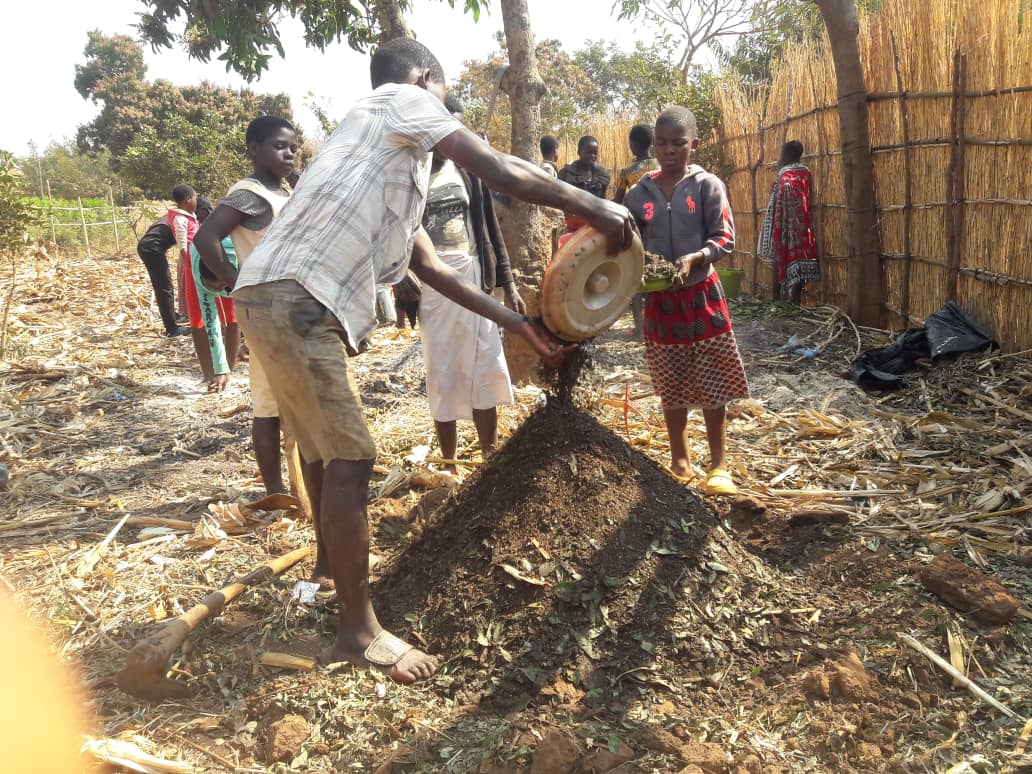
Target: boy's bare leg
x: 346, y: 531
x: 716, y: 435
x: 795, y: 295
x: 321, y: 573
x: 231, y: 335
x: 265, y: 437
x: 677, y: 428
x: 448, y: 440
x: 486, y: 422
x: 200, y: 343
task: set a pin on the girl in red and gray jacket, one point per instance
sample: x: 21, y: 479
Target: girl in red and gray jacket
x: 684, y: 215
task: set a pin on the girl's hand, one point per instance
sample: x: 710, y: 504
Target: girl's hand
x: 218, y: 384
x: 685, y: 265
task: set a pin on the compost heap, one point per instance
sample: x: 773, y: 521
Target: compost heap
x: 569, y: 552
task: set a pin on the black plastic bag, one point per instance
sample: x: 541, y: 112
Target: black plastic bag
x: 949, y: 332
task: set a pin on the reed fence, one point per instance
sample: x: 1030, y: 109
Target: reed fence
x: 950, y: 116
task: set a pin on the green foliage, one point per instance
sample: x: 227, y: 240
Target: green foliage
x: 780, y: 25
x: 194, y: 133
x: 108, y: 59
x: 61, y: 219
x: 597, y: 80
x: 72, y: 173
x: 777, y: 25
x: 645, y: 81
x: 327, y: 124
x: 247, y: 40
x: 17, y: 213
x: 210, y: 156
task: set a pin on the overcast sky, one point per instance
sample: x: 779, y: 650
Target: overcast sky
x: 41, y: 42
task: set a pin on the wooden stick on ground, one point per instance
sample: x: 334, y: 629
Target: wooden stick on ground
x: 88, y: 562
x: 958, y: 678
x: 835, y: 493
x: 996, y: 402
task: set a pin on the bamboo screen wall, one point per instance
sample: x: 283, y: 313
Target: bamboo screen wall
x: 950, y: 116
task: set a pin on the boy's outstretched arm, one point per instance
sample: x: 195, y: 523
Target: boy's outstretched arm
x: 208, y: 241
x: 530, y: 183
x: 445, y: 280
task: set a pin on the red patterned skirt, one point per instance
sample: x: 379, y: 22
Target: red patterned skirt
x: 690, y: 348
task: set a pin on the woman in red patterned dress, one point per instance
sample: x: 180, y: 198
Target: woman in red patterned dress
x: 786, y: 240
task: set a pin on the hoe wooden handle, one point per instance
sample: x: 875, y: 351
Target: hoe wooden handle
x: 145, y: 668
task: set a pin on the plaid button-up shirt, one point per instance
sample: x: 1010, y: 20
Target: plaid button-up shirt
x: 351, y: 222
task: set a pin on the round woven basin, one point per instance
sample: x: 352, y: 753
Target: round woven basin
x: 585, y: 291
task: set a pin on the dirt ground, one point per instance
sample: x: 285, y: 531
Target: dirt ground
x: 591, y: 613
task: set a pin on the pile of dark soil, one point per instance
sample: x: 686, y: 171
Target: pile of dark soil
x: 560, y: 382
x: 572, y: 553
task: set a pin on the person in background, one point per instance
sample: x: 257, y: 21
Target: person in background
x: 244, y: 215
x: 466, y: 373
x: 550, y: 155
x: 640, y: 139
x: 213, y: 309
x: 208, y: 349
x: 586, y: 174
x: 183, y: 222
x: 684, y: 215
x: 152, y: 249
x: 787, y: 240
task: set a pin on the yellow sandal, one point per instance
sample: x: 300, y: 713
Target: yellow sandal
x: 719, y: 482
x: 680, y: 479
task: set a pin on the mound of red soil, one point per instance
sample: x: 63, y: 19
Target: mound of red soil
x: 569, y: 550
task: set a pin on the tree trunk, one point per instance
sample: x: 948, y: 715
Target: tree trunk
x: 524, y: 86
x: 392, y: 20
x: 864, y: 281
x: 523, y: 226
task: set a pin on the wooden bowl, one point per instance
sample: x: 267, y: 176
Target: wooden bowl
x: 585, y: 291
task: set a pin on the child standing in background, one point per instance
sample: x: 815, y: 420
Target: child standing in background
x: 244, y: 215
x: 684, y: 215
x: 152, y: 249
x: 787, y: 239
x: 211, y: 312
x: 196, y: 298
x: 183, y: 222
x: 586, y: 174
x: 640, y: 139
x: 549, y: 155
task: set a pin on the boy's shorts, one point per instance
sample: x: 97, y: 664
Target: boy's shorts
x: 309, y: 377
x: 263, y: 403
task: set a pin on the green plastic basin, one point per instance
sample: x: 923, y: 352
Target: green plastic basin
x: 731, y: 279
